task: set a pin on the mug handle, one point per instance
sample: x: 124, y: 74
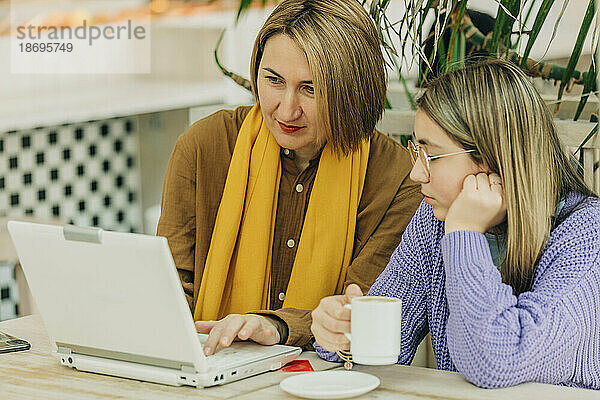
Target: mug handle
x: 347, y: 334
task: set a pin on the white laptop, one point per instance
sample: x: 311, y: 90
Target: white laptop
x: 113, y: 304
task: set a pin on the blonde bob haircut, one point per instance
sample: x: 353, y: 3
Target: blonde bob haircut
x: 346, y: 62
x: 493, y: 108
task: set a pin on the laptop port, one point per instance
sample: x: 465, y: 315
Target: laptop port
x: 234, y: 373
x: 216, y: 378
x: 221, y: 378
x: 182, y: 377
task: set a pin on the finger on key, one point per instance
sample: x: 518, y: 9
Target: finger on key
x: 204, y: 326
x: 250, y: 328
x: 231, y: 327
x: 211, y: 342
x: 216, y: 335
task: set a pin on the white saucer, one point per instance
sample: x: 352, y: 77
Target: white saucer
x: 329, y: 384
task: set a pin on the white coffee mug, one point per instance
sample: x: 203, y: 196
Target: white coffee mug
x: 375, y: 330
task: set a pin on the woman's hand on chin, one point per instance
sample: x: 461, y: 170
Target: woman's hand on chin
x: 479, y: 206
x: 237, y: 327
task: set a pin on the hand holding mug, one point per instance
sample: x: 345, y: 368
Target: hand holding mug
x: 375, y: 330
x: 368, y: 326
x: 330, y: 320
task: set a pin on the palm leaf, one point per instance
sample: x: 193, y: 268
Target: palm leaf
x: 240, y: 80
x: 534, y: 68
x: 439, y: 27
x: 504, y: 22
x: 555, y: 28
x: 244, y: 5
x: 587, y: 86
x: 537, y: 26
x: 374, y: 10
x: 587, y: 138
x: 387, y: 105
x: 442, y: 55
x: 583, y: 31
x: 529, y: 11
x: 423, y: 15
x: 460, y: 12
x: 409, y: 96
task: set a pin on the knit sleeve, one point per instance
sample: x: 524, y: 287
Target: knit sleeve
x: 403, y: 278
x: 496, y: 339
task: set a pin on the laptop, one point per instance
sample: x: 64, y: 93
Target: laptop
x: 113, y: 304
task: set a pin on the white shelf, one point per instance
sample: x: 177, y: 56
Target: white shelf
x: 106, y: 99
x: 184, y: 75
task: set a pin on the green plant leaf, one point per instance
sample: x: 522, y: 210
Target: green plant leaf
x: 460, y: 12
x: 244, y: 5
x: 374, y: 10
x: 588, y: 84
x: 505, y: 19
x: 404, y: 140
x: 428, y: 61
x: 442, y: 55
x: 240, y: 80
x: 540, y: 18
x: 409, y: 95
x: 527, y: 15
x: 587, y: 138
x: 387, y: 104
x: 583, y: 31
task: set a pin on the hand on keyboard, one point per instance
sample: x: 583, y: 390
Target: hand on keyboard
x: 237, y: 327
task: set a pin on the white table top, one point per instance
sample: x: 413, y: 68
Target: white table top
x: 35, y: 374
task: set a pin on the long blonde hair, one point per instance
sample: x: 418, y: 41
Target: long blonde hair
x: 492, y: 107
x: 343, y: 51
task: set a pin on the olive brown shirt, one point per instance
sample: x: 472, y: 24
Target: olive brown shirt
x: 194, y: 184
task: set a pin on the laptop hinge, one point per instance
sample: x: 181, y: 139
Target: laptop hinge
x: 67, y: 348
x: 79, y: 234
x: 187, y: 369
x: 64, y: 350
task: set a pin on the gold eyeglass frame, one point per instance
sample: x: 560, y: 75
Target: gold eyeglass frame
x: 417, y: 152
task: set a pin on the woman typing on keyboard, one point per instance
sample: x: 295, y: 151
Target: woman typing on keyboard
x: 270, y: 208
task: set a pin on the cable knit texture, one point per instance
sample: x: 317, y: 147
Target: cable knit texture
x: 450, y: 287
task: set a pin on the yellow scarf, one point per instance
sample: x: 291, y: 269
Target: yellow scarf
x: 236, y: 276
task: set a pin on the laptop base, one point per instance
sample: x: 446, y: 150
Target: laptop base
x: 168, y: 376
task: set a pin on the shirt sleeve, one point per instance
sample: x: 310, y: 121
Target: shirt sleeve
x: 403, y: 279
x: 497, y: 339
x: 367, y: 264
x: 178, y: 219
x: 192, y: 189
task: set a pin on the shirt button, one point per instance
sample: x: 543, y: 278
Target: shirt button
x: 281, y: 296
x: 291, y: 243
x: 286, y: 152
x: 299, y: 188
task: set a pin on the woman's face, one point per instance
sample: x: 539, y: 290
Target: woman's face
x: 286, y: 93
x: 447, y: 173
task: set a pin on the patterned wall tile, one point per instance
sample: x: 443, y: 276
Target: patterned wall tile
x: 9, y: 294
x: 86, y: 174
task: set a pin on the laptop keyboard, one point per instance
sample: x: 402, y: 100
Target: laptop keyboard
x: 237, y: 353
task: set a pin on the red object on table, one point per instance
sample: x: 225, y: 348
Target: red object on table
x: 297, y: 366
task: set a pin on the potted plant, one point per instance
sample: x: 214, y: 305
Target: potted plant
x: 455, y: 36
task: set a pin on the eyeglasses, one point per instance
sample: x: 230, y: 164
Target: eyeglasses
x: 417, y: 152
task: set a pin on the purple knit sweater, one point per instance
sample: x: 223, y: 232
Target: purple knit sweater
x: 450, y: 287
